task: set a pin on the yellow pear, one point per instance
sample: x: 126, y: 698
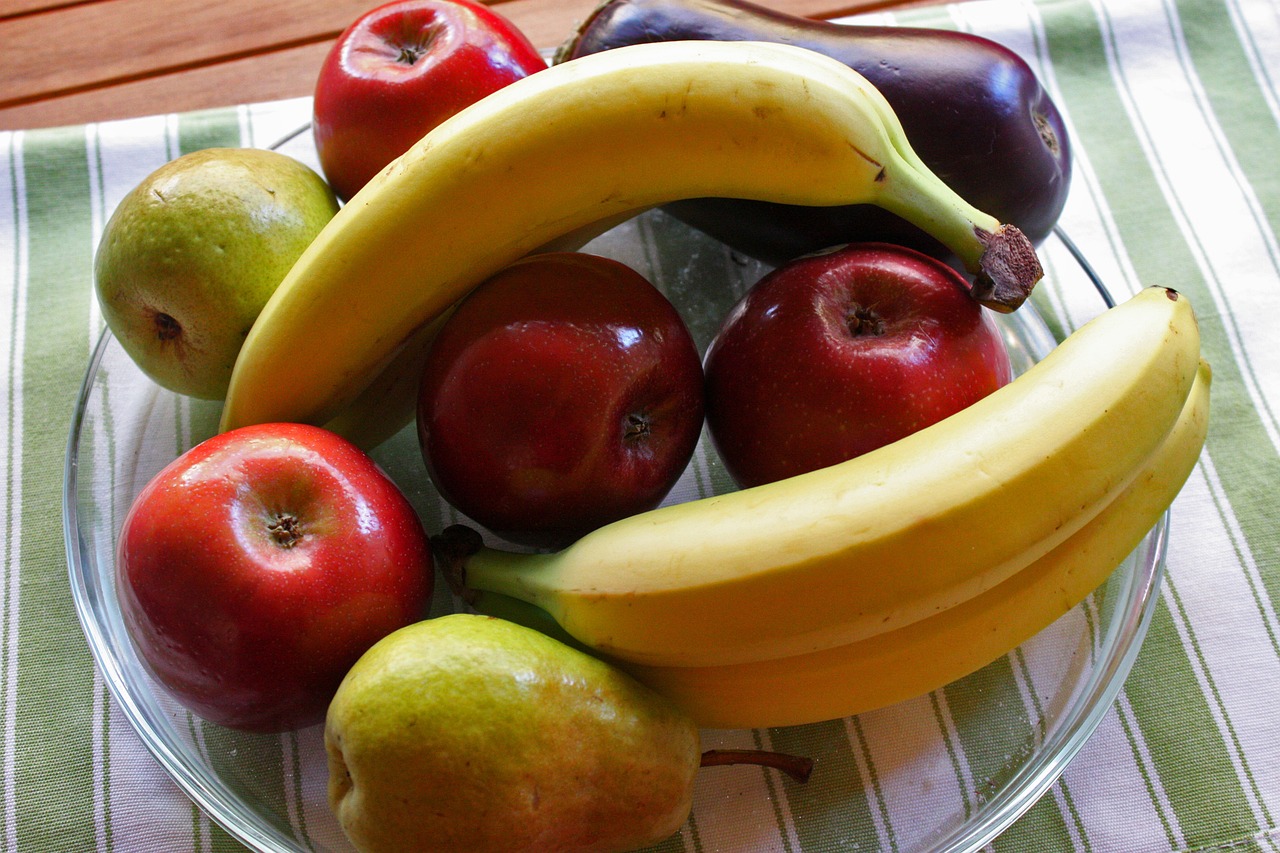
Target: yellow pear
x: 472, y: 733
x: 191, y: 254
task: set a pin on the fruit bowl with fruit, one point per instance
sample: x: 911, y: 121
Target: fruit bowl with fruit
x: 1016, y: 723
x: 635, y: 505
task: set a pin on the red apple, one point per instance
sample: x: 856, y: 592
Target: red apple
x: 564, y: 393
x: 403, y: 68
x: 256, y: 568
x: 838, y: 353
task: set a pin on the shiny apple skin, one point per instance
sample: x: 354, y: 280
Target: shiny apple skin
x: 245, y: 630
x: 790, y: 388
x: 403, y: 68
x: 564, y: 393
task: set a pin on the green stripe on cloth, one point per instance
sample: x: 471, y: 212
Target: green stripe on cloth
x: 1240, y: 107
x: 988, y: 754
x: 1171, y: 833
x: 1159, y: 254
x: 1248, y: 463
x: 842, y: 810
x: 1250, y: 232
x: 1053, y: 816
x: 1237, y: 96
x: 209, y: 129
x: 15, y: 212
x: 55, y: 674
x: 1185, y: 749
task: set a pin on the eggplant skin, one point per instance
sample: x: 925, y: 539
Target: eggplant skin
x: 972, y: 109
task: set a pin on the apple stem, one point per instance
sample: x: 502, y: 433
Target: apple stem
x: 795, y: 766
x: 450, y: 549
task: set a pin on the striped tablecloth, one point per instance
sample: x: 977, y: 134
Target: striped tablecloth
x: 1174, y: 106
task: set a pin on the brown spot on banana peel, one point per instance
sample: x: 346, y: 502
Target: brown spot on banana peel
x: 873, y: 161
x: 1008, y: 269
x: 882, y: 175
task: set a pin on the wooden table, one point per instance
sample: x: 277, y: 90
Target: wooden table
x: 74, y: 61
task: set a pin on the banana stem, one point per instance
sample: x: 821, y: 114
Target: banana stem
x: 795, y: 766
x: 450, y: 550
x: 470, y: 568
x: 1001, y: 258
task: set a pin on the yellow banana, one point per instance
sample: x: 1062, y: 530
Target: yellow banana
x: 883, y: 540
x: 591, y: 140
x: 925, y: 655
x: 933, y: 652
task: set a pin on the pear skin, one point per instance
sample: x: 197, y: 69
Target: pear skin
x: 469, y: 732
x: 192, y: 253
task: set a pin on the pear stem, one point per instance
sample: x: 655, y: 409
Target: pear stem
x: 795, y: 766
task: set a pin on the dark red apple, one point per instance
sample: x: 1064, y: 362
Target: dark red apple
x: 403, y: 68
x: 254, y: 569
x: 838, y: 353
x: 564, y: 393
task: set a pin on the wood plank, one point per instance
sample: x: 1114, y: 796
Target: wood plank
x: 547, y: 23
x: 269, y: 75
x: 280, y: 74
x: 238, y: 59
x: 137, y: 38
x: 544, y: 21
x: 550, y: 22
x: 11, y: 8
x: 123, y: 40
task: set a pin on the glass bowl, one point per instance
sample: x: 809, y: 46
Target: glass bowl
x: 953, y: 769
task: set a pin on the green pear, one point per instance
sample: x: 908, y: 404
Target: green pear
x: 469, y: 732
x: 191, y: 254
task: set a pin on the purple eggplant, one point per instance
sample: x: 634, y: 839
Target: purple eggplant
x: 971, y: 108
